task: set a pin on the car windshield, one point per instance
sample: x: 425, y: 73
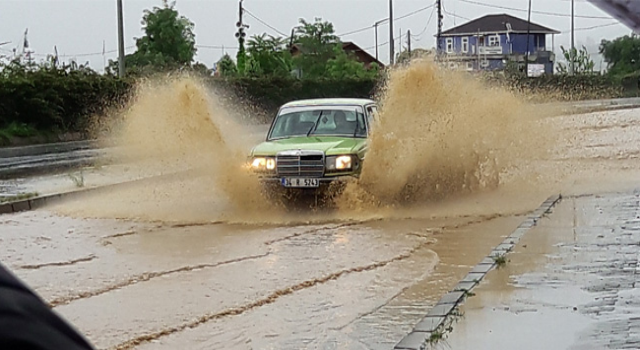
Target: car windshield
x: 343, y: 121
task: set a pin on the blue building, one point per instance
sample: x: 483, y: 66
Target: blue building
x: 492, y: 41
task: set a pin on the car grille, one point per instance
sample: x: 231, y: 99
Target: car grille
x: 303, y: 164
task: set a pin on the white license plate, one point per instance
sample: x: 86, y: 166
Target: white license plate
x: 300, y: 182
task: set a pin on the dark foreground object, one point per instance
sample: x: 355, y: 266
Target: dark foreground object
x: 26, y: 322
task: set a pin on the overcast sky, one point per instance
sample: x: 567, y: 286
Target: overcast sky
x: 78, y: 27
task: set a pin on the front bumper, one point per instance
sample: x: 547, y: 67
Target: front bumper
x: 328, y: 184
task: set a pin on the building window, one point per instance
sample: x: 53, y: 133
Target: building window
x: 469, y: 65
x: 465, y: 44
x: 494, y: 40
x: 449, y: 45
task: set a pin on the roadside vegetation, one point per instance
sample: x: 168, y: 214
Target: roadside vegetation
x: 41, y: 101
x: 500, y: 260
x: 17, y: 197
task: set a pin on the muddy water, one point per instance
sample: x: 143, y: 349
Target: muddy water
x: 197, y: 260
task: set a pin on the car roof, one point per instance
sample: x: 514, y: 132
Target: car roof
x: 329, y: 102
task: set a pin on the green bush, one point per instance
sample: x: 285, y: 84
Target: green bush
x: 48, y: 97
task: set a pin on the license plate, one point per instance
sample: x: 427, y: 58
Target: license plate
x: 300, y: 182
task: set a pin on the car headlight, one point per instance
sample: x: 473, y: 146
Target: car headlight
x: 263, y: 163
x: 339, y: 163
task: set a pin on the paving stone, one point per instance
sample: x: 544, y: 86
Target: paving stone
x: 451, y: 297
x: 413, y: 341
x: 473, y: 277
x: 429, y: 324
x: 21, y: 206
x: 483, y: 268
x: 465, y: 286
x: 441, y: 310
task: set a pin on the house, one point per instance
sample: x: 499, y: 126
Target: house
x: 350, y: 48
x: 492, y: 41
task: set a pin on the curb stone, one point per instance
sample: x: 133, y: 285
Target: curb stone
x: 435, y: 320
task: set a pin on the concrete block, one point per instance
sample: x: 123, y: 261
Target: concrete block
x: 465, y: 286
x: 473, y: 277
x: 520, y: 232
x: 413, y: 341
x: 487, y: 261
x: 511, y: 240
x: 451, y: 298
x: 37, y: 202
x: 483, y: 268
x: 429, y: 324
x: 6, y: 208
x: 504, y: 247
x: 442, y: 310
x: 20, y: 206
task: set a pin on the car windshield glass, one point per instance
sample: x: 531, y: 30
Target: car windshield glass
x: 343, y: 121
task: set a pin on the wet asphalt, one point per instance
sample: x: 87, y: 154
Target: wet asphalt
x: 572, y: 283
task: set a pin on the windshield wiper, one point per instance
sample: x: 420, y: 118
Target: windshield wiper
x: 315, y: 126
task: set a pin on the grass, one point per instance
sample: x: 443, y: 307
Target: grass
x: 14, y: 130
x: 18, y: 197
x: 436, y: 337
x: 78, y: 179
x: 500, y: 260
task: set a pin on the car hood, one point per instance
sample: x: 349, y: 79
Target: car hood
x: 329, y: 145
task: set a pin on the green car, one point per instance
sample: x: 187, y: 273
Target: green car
x: 314, y: 143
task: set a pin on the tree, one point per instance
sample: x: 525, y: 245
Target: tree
x: 269, y: 55
x: 622, y: 54
x: 168, y: 42
x: 316, y: 43
x: 226, y: 66
x: 344, y: 66
x: 582, y: 62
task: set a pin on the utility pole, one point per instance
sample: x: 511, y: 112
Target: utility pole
x: 526, y: 57
x: 439, y: 32
x: 391, y: 43
x: 376, y: 30
x: 240, y: 35
x: 409, y: 41
x: 120, y: 40
x: 573, y: 44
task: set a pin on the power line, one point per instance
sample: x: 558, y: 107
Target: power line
x: 457, y: 16
x: 418, y: 36
x: 357, y: 31
x: 537, y: 12
x: 383, y: 44
x: 264, y: 23
x: 384, y: 21
x: 592, y: 27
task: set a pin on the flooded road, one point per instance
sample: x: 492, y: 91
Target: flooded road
x: 199, y: 259
x: 316, y: 281
x: 355, y: 285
